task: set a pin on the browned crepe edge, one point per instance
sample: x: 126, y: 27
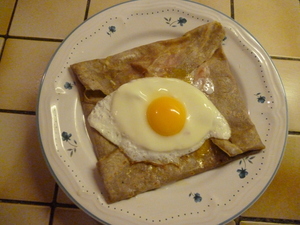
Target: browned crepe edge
x: 107, y: 74
x: 107, y: 154
x: 124, y: 179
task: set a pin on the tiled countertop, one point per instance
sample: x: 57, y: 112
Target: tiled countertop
x: 30, y: 32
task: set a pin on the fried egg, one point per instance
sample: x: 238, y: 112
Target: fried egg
x: 158, y: 119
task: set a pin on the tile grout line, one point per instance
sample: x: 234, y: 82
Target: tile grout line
x: 294, y: 132
x: 24, y: 202
x: 286, y: 57
x: 33, y: 38
x: 17, y: 111
x: 53, y: 204
x: 88, y: 3
x: 8, y: 28
x: 36, y: 203
x: 232, y: 9
x: 12, y: 16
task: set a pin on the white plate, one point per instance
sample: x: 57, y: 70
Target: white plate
x: 214, y: 197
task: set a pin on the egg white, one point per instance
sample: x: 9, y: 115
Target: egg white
x: 121, y: 118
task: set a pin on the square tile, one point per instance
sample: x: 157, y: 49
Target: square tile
x: 24, y: 214
x: 24, y: 174
x: 281, y: 199
x: 220, y: 5
x: 21, y: 69
x: 99, y: 5
x: 6, y: 9
x: 66, y: 216
x: 290, y: 74
x: 63, y: 198
x: 274, y: 23
x: 47, y: 19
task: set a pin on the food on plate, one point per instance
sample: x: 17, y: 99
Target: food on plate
x: 126, y: 98
x: 163, y: 122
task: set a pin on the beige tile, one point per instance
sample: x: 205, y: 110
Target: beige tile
x: 21, y: 68
x: 220, y: 5
x: 274, y: 23
x: 281, y: 199
x: 290, y: 74
x: 99, y: 5
x: 6, y: 9
x: 24, y: 174
x: 65, y: 216
x: 63, y: 198
x: 24, y: 214
x: 47, y: 19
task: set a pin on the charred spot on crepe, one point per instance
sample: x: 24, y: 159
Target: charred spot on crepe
x: 182, y: 58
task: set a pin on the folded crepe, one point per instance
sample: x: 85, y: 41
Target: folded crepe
x: 196, y: 57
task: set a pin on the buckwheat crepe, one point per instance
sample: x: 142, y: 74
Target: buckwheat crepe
x: 196, y: 56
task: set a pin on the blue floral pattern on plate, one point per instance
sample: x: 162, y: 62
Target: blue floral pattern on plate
x: 69, y: 85
x: 67, y: 138
x: 243, y: 171
x: 181, y: 21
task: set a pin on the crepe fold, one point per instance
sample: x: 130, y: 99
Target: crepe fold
x: 195, y: 56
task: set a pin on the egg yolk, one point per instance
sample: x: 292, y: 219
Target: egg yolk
x: 166, y: 116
